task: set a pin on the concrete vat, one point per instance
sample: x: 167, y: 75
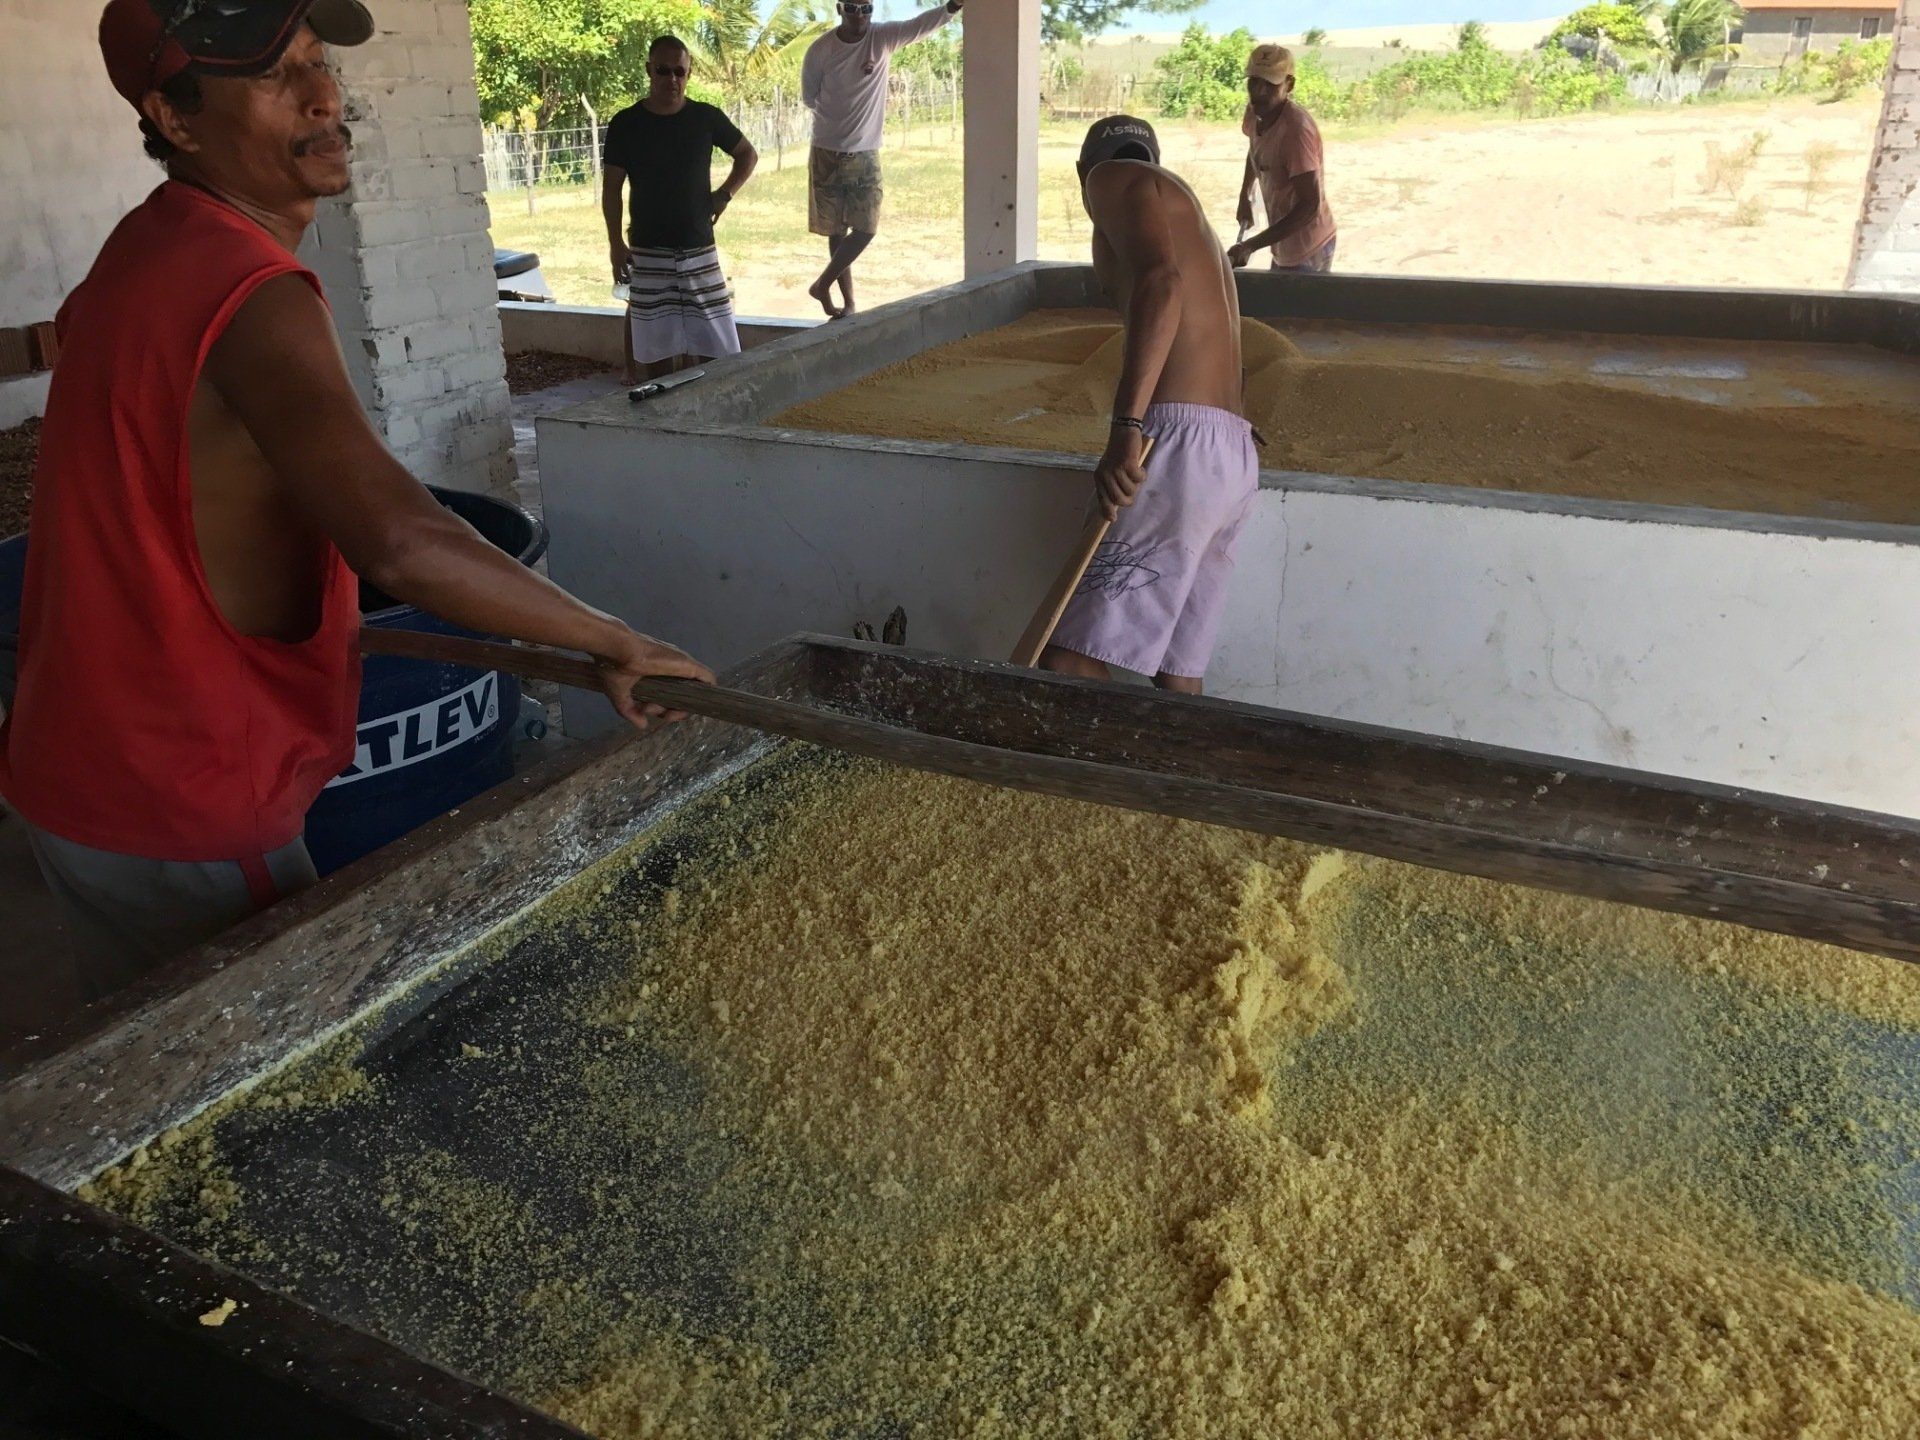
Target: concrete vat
x: 1760, y: 650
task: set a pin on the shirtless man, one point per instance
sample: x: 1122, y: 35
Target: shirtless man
x: 1152, y: 599
x: 208, y: 489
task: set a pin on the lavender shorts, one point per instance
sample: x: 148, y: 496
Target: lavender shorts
x: 1153, y: 598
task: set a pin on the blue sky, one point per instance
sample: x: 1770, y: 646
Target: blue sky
x: 1266, y: 17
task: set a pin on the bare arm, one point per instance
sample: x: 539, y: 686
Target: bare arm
x: 278, y: 367
x: 745, y: 157
x: 1243, y: 213
x: 1130, y: 218
x: 1306, y: 205
x: 612, y: 181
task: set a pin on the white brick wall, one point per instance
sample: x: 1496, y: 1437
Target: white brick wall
x: 70, y: 167
x: 1886, y: 251
x: 406, y: 257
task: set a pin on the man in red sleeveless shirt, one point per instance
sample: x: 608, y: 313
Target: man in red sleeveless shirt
x: 208, y: 489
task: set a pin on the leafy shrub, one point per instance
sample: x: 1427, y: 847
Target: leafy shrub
x: 1316, y: 89
x: 1565, y: 86
x: 1856, y: 65
x: 1204, y: 77
x: 1622, y: 24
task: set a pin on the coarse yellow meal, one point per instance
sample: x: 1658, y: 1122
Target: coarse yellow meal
x: 1833, y: 435
x: 1011, y: 1116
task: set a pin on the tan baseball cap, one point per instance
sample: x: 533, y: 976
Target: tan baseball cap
x: 1271, y: 63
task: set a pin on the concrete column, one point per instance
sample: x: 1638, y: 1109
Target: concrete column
x: 1886, y: 249
x: 1002, y: 79
x: 405, y: 254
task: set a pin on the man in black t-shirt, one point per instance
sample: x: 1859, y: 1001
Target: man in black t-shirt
x: 679, y: 308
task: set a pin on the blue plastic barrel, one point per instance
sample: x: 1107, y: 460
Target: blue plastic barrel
x: 431, y: 737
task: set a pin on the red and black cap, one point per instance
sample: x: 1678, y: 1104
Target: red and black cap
x: 148, y: 42
x: 1119, y: 137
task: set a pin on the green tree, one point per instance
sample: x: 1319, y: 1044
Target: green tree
x: 1316, y: 36
x: 937, y: 57
x: 1697, y: 29
x: 744, y: 54
x: 1473, y: 36
x: 1204, y: 77
x: 1076, y: 20
x: 1856, y: 66
x: 541, y: 58
x: 1622, y: 24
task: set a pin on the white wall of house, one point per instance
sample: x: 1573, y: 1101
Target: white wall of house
x: 1886, y: 252
x: 70, y: 167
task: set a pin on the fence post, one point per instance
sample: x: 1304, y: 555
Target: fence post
x: 593, y: 137
x: 779, y: 129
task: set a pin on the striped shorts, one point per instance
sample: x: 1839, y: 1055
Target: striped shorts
x: 678, y: 303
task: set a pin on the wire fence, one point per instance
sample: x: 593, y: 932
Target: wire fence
x: 921, y: 110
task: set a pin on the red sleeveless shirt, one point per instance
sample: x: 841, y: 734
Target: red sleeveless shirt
x: 143, y: 722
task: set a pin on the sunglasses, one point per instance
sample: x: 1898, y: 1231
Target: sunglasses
x: 856, y: 9
x: 670, y: 72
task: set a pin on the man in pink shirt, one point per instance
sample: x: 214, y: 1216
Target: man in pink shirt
x: 1285, y: 154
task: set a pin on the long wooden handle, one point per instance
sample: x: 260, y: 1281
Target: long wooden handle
x: 717, y: 702
x: 1053, y: 605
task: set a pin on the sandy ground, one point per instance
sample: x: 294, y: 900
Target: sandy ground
x: 1603, y: 197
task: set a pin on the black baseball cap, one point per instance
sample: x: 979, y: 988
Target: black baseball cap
x: 1119, y: 137
x: 148, y: 42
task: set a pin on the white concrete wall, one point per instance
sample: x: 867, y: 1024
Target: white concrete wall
x: 406, y: 256
x: 1771, y: 660
x: 70, y: 167
x: 1886, y: 253
x: 597, y: 332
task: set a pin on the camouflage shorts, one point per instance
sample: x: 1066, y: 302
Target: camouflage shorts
x: 843, y: 191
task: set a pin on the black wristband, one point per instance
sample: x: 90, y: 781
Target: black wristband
x: 1129, y: 422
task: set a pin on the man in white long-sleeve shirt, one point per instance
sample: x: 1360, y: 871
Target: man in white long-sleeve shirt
x: 844, y: 83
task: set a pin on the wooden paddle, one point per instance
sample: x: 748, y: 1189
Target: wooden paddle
x: 717, y: 702
x: 1033, y: 640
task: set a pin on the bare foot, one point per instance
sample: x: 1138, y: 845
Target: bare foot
x: 819, y: 290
